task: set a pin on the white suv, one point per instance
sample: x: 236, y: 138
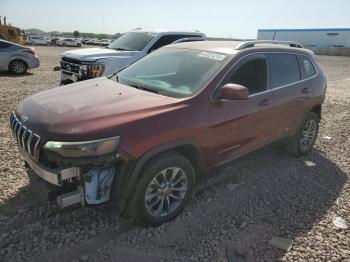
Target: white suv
x: 87, y: 63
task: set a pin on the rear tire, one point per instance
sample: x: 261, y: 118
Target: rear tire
x: 305, y: 137
x: 18, y: 67
x: 163, y: 190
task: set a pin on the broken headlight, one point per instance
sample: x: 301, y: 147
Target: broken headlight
x: 85, y: 148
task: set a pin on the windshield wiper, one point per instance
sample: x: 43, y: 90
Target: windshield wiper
x: 143, y: 88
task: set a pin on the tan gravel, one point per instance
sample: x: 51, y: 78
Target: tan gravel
x: 236, y: 211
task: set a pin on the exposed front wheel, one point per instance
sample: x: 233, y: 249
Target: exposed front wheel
x: 164, y: 188
x: 18, y: 67
x: 305, y: 137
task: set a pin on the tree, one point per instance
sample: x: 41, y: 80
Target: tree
x: 76, y: 33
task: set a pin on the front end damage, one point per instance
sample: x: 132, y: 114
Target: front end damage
x: 87, y: 179
x: 85, y: 184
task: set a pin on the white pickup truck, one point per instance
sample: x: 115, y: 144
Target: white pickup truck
x: 87, y: 63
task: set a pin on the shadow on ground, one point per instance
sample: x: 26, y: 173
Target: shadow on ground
x: 9, y: 74
x: 276, y: 195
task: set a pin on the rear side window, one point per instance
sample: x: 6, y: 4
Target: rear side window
x: 306, y: 67
x: 284, y: 69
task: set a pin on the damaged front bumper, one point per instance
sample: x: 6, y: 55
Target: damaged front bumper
x: 91, y: 187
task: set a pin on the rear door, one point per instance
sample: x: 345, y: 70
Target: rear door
x: 238, y: 126
x: 290, y: 89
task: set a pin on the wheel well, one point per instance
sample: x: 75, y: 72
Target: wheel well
x: 190, y: 152
x: 17, y: 59
x: 317, y: 109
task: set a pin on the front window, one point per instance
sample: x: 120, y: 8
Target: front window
x: 132, y: 41
x: 173, y: 72
x: 252, y: 74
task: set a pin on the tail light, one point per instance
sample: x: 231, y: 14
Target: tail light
x: 29, y: 50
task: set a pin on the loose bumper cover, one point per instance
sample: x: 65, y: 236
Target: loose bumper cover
x: 96, y: 182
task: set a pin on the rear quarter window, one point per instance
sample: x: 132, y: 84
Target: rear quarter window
x: 284, y: 69
x: 306, y: 67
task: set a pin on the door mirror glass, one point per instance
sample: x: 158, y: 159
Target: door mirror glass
x: 234, y: 92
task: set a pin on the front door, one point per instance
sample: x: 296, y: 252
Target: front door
x: 239, y: 126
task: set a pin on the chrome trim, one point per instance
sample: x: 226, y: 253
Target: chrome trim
x: 269, y: 89
x: 247, y: 44
x: 229, y: 148
x: 15, y: 130
x: 29, y: 140
x: 42, y: 172
x: 24, y: 136
x: 51, y: 176
x: 36, y: 151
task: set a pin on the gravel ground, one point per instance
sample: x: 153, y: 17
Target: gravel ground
x: 236, y: 210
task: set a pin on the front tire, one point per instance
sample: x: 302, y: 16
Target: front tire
x: 164, y: 189
x: 18, y: 67
x: 305, y: 137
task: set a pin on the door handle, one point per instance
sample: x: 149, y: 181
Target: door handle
x: 265, y: 102
x: 306, y: 90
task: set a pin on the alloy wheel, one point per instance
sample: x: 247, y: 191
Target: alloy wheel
x: 18, y: 67
x: 166, y: 192
x: 308, y: 135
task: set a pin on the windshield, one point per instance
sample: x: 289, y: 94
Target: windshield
x: 173, y: 72
x: 132, y: 41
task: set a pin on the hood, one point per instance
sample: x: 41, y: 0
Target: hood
x: 90, y: 109
x: 92, y: 54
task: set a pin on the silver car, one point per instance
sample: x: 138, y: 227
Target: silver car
x: 17, y: 58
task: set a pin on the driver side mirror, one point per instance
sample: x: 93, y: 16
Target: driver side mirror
x: 232, y: 91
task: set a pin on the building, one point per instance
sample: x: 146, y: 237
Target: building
x: 331, y: 37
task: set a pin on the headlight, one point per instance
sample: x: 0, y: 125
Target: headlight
x: 82, y: 149
x: 91, y: 70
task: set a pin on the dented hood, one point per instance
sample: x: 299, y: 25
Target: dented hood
x: 90, y: 109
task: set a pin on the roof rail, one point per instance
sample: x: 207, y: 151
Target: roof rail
x: 248, y: 44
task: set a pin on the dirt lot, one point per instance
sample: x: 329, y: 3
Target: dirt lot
x: 232, y: 216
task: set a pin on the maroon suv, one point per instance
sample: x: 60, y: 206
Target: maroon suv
x: 141, y: 138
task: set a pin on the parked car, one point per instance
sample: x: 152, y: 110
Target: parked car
x: 85, y: 41
x: 37, y: 40
x: 78, y: 65
x: 93, y: 41
x: 143, y: 137
x: 17, y: 58
x: 53, y: 41
x: 68, y: 42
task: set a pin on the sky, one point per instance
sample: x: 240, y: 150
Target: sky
x: 225, y: 18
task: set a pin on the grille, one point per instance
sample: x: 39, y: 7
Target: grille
x: 26, y: 139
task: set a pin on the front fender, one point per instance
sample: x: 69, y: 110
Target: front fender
x: 128, y: 180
